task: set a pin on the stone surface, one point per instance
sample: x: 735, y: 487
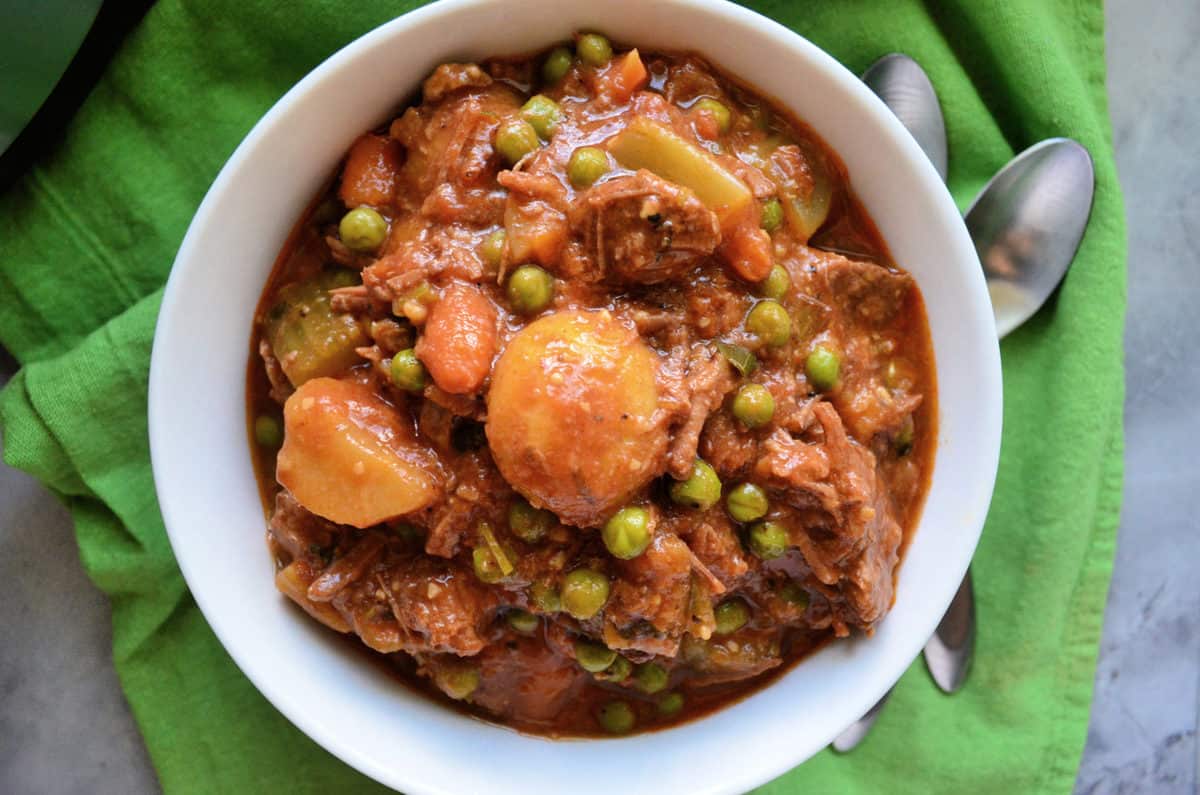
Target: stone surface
x: 65, y: 727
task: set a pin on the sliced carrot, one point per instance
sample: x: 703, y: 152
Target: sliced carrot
x: 459, y: 339
x: 370, y: 173
x: 747, y: 249
x: 628, y: 75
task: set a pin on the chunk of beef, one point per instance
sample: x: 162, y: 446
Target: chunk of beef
x: 419, y: 604
x: 846, y: 530
x: 715, y: 544
x: 707, y: 381
x: 862, y: 301
x: 735, y: 657
x: 648, y: 608
x: 523, y: 678
x: 642, y: 229
x: 297, y: 530
x: 450, y: 77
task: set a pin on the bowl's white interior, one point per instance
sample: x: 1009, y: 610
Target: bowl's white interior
x: 206, y: 486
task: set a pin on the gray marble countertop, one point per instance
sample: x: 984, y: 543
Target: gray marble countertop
x: 65, y: 726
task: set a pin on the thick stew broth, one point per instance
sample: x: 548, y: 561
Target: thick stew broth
x: 587, y: 396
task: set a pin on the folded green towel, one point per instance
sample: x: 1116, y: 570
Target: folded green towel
x: 88, y: 236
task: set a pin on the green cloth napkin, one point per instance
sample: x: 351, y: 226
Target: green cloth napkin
x: 88, y: 236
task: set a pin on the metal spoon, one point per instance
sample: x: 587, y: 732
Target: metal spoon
x: 1027, y: 224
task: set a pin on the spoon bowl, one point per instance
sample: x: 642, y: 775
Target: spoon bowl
x: 1027, y: 224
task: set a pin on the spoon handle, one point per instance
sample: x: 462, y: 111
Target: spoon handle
x: 949, y: 652
x: 856, y: 732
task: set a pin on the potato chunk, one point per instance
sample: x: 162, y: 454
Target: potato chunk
x: 572, y: 415
x: 349, y: 456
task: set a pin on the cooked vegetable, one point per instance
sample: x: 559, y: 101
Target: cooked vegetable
x: 584, y: 592
x: 593, y: 657
x: 822, y: 367
x: 701, y: 490
x: 769, y: 321
x: 772, y: 215
x: 719, y: 113
x: 515, y: 139
x: 555, y: 67
x: 794, y: 594
x: 543, y: 115
x: 587, y: 372
x: 530, y: 289
x: 618, y: 672
x: 348, y: 456
x: 457, y: 680
x: 777, y: 284
x: 522, y: 621
x: 670, y: 704
x: 741, y: 358
x: 363, y: 229
x: 650, y: 678
x: 768, y: 540
x: 903, y: 440
x: 617, y: 717
x: 587, y: 164
x: 627, y: 533
x: 407, y: 371
x: 307, y: 337
x: 627, y: 76
x: 732, y: 615
x: 492, y: 248
x: 528, y: 523
x: 544, y: 597
x: 593, y: 49
x: 753, y: 405
x: 805, y: 188
x: 268, y: 431
x: 649, y: 145
x: 369, y: 176
x: 747, y: 502
x: 459, y: 339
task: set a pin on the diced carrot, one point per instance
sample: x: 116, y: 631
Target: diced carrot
x: 459, y: 339
x: 370, y: 173
x: 628, y: 75
x: 747, y: 248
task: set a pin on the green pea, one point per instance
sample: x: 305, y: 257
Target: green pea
x: 515, y: 139
x: 584, y: 592
x: 528, y: 523
x: 731, y: 615
x: 719, y: 112
x: 555, y: 67
x: 492, y: 248
x: 670, y: 704
x: 627, y: 533
x: 902, y: 443
x: 747, y: 502
x: 487, y: 568
x: 822, y: 367
x: 769, y: 321
x: 593, y: 49
x: 545, y: 597
x: 650, y: 678
x: 768, y: 540
x: 617, y: 717
x: 587, y: 164
x: 753, y: 405
x: 593, y: 657
x: 268, y: 431
x: 522, y: 621
x: 618, y: 672
x: 794, y: 594
x: 458, y: 681
x: 407, y: 371
x: 363, y: 229
x: 702, y: 489
x: 530, y: 289
x: 543, y: 114
x: 772, y: 215
x: 777, y: 284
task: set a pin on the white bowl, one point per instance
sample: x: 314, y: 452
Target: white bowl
x: 206, y: 486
